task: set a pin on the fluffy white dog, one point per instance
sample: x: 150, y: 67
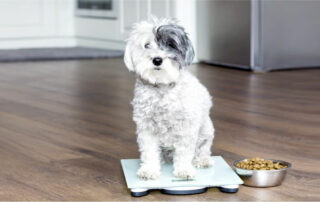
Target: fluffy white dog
x: 170, y: 106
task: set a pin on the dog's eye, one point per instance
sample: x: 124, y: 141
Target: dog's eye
x: 147, y: 46
x: 172, y: 45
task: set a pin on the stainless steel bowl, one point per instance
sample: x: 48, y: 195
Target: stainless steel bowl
x: 262, y: 178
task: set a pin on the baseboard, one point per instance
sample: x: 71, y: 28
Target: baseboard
x: 61, y: 42
x: 100, y: 43
x: 44, y: 42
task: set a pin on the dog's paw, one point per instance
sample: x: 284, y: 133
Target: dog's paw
x: 203, y: 162
x: 148, y: 172
x: 185, y: 172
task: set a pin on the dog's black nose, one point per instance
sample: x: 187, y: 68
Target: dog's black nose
x: 157, y: 61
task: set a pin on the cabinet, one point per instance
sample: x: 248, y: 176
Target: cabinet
x: 111, y: 33
x: 36, y: 23
x: 28, y: 18
x: 52, y: 23
x: 35, y: 18
x: 138, y: 10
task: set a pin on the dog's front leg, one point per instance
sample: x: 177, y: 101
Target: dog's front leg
x: 182, y: 159
x: 149, y: 156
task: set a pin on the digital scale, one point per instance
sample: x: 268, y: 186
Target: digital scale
x: 220, y: 175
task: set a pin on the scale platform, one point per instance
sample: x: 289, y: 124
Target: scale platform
x: 219, y: 175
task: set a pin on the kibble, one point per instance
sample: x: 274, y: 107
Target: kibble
x: 260, y: 164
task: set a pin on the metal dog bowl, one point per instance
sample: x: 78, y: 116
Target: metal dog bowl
x: 262, y: 178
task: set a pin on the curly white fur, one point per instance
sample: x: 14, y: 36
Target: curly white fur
x: 170, y: 106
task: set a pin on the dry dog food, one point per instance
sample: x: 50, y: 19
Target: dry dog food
x: 259, y: 164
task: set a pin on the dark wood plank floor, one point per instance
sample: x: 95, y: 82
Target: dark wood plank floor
x: 64, y: 126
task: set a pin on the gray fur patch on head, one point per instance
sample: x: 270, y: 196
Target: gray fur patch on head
x: 174, y: 39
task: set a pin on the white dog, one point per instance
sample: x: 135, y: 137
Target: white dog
x: 170, y: 106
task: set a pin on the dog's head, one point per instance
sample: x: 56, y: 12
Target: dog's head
x: 157, y: 51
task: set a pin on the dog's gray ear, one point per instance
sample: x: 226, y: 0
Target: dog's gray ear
x: 189, y: 55
x: 127, y: 57
x: 174, y: 39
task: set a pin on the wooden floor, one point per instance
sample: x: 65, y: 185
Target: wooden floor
x: 64, y: 126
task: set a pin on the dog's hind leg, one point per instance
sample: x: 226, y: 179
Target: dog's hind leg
x: 202, y: 157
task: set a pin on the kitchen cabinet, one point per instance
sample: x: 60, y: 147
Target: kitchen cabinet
x: 112, y: 32
x: 55, y: 23
x: 37, y: 23
x: 28, y: 18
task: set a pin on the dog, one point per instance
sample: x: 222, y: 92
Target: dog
x: 170, y: 106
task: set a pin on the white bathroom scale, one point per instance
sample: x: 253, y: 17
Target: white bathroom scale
x: 220, y: 175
